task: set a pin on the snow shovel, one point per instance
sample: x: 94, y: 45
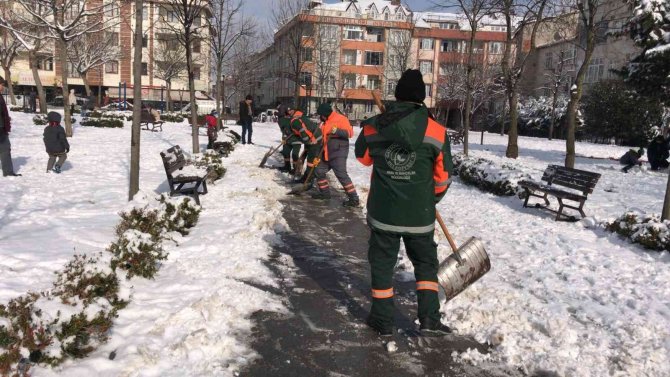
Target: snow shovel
x: 300, y: 189
x: 270, y: 153
x: 462, y: 268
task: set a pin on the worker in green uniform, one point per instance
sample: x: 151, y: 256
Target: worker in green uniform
x: 292, y: 143
x: 411, y: 165
x: 310, y: 135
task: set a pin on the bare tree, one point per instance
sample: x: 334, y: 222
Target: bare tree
x: 169, y: 62
x: 134, y: 182
x: 473, y: 11
x: 227, y: 27
x: 9, y: 50
x: 90, y: 51
x: 557, y: 78
x: 62, y: 21
x: 243, y: 68
x: 186, y: 20
x: 293, y: 34
x: 401, y: 55
x: 326, y: 61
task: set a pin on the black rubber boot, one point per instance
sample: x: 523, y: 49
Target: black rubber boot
x: 322, y: 195
x: 352, y: 201
x: 431, y: 327
x: 382, y: 330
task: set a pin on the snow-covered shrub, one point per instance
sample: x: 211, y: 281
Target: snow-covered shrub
x: 102, y: 122
x: 20, y: 336
x: 40, y: 120
x: 224, y: 148
x: 211, y: 160
x: 646, y: 229
x: 137, y: 253
x: 488, y: 176
x: 178, y: 215
x: 142, y: 219
x: 17, y: 109
x: 172, y: 117
x: 106, y: 114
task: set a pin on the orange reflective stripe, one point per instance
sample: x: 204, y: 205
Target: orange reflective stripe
x: 436, y: 130
x: 309, y: 134
x: 366, y: 159
x: 427, y: 285
x: 382, y: 293
x: 440, y: 176
x: 369, y: 130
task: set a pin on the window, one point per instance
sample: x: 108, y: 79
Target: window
x: 197, y: 21
x: 328, y: 31
x: 449, y: 25
x: 442, y: 69
x: 72, y: 70
x: 145, y: 12
x: 429, y: 90
x: 349, y: 80
x: 373, y: 12
x: 390, y: 86
x: 369, y: 107
x: 113, y: 39
x: 353, y: 33
x: 45, y: 64
x: 386, y: 15
x: 398, y: 36
x: 171, y: 16
x: 306, y: 78
x: 145, y: 41
x: 196, y: 73
x: 328, y: 56
x: 452, y: 45
x: 111, y: 9
x: 478, y: 47
x: 112, y: 67
x: 568, y: 55
x: 349, y: 57
x: 145, y: 69
x: 496, y: 47
x: 374, y: 82
x: 375, y: 35
x: 307, y: 30
x: 399, y: 15
x: 196, y: 46
x: 427, y: 43
x: 595, y: 71
x: 497, y: 28
x: 548, y: 60
x: 374, y: 58
x: 306, y: 54
x: 329, y: 84
x: 426, y: 67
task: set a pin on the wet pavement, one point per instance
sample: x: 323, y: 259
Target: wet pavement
x: 323, y: 269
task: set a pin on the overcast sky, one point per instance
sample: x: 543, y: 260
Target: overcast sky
x: 262, y: 9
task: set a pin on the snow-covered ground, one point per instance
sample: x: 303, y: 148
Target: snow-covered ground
x: 194, y: 318
x: 560, y: 297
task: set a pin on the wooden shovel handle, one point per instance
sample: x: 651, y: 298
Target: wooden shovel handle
x: 446, y: 232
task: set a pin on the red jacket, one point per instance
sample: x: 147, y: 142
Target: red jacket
x: 211, y: 121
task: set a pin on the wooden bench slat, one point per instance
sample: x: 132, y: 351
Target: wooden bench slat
x: 173, y: 161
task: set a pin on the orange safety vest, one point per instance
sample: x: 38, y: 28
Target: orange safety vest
x: 338, y: 120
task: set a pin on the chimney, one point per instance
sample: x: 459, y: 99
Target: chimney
x: 395, y: 2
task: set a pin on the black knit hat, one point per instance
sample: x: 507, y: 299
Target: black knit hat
x: 53, y: 117
x: 249, y: 97
x: 411, y: 87
x: 324, y: 110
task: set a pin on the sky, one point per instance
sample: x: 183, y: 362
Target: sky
x: 262, y: 9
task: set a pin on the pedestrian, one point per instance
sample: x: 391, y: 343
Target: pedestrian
x: 212, y: 134
x: 336, y: 131
x: 73, y: 101
x: 411, y: 165
x: 246, y: 119
x: 155, y: 115
x: 310, y: 135
x: 55, y: 142
x: 5, y: 128
x: 292, y: 143
x: 88, y: 106
x: 32, y: 100
x: 657, y: 153
x: 631, y: 158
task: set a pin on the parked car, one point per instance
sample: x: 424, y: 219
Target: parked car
x: 204, y: 106
x: 58, y: 102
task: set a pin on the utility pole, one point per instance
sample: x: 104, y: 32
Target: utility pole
x: 137, y: 104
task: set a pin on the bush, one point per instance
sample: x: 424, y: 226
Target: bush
x: 212, y: 162
x: 172, y: 117
x: 178, y: 216
x: 17, y: 108
x: 106, y: 114
x: 137, y: 253
x: 40, y: 120
x: 102, y: 122
x: 487, y: 176
x: 645, y: 229
x: 614, y: 112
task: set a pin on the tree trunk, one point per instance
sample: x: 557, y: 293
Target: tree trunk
x: 219, y: 73
x: 513, y: 131
x: 10, y: 86
x: 66, y: 95
x: 570, y: 138
x: 468, y: 91
x: 665, y: 215
x: 168, y: 84
x: 38, y: 82
x: 134, y: 185
x: 87, y: 87
x: 554, y: 101
x: 191, y: 91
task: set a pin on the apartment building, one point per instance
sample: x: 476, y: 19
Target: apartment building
x: 107, y: 79
x: 561, y: 46
x: 354, y: 47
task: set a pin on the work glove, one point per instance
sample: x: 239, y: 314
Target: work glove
x: 333, y: 131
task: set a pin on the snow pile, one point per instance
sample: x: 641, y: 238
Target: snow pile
x: 488, y: 176
x: 646, y: 229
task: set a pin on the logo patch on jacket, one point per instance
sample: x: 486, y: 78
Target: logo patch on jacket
x: 399, y: 158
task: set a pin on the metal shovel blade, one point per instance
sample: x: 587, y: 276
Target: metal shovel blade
x: 454, y: 275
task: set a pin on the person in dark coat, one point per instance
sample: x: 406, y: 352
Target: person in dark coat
x: 246, y: 118
x: 32, y: 100
x: 55, y: 142
x: 631, y: 158
x: 336, y: 131
x: 292, y: 143
x: 5, y: 128
x: 657, y: 153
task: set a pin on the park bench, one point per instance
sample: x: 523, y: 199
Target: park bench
x: 455, y: 137
x: 580, y: 182
x: 182, y: 178
x: 147, y: 120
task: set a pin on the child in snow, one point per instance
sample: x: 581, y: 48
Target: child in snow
x: 211, y: 121
x: 657, y: 153
x: 55, y: 142
x: 631, y: 158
